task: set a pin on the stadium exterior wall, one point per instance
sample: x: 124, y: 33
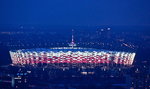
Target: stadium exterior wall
x: 70, y: 55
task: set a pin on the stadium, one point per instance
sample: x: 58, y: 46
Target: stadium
x: 70, y: 55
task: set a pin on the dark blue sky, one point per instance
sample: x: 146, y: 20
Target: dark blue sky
x: 75, y: 12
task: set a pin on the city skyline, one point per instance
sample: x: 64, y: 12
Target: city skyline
x: 108, y: 47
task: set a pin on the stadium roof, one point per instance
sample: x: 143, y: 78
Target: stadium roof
x: 64, y: 49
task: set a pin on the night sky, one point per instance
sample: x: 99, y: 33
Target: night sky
x: 75, y: 12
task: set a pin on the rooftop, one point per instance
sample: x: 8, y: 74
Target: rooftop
x: 65, y: 49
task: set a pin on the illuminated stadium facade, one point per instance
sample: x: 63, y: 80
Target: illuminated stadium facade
x: 70, y: 55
